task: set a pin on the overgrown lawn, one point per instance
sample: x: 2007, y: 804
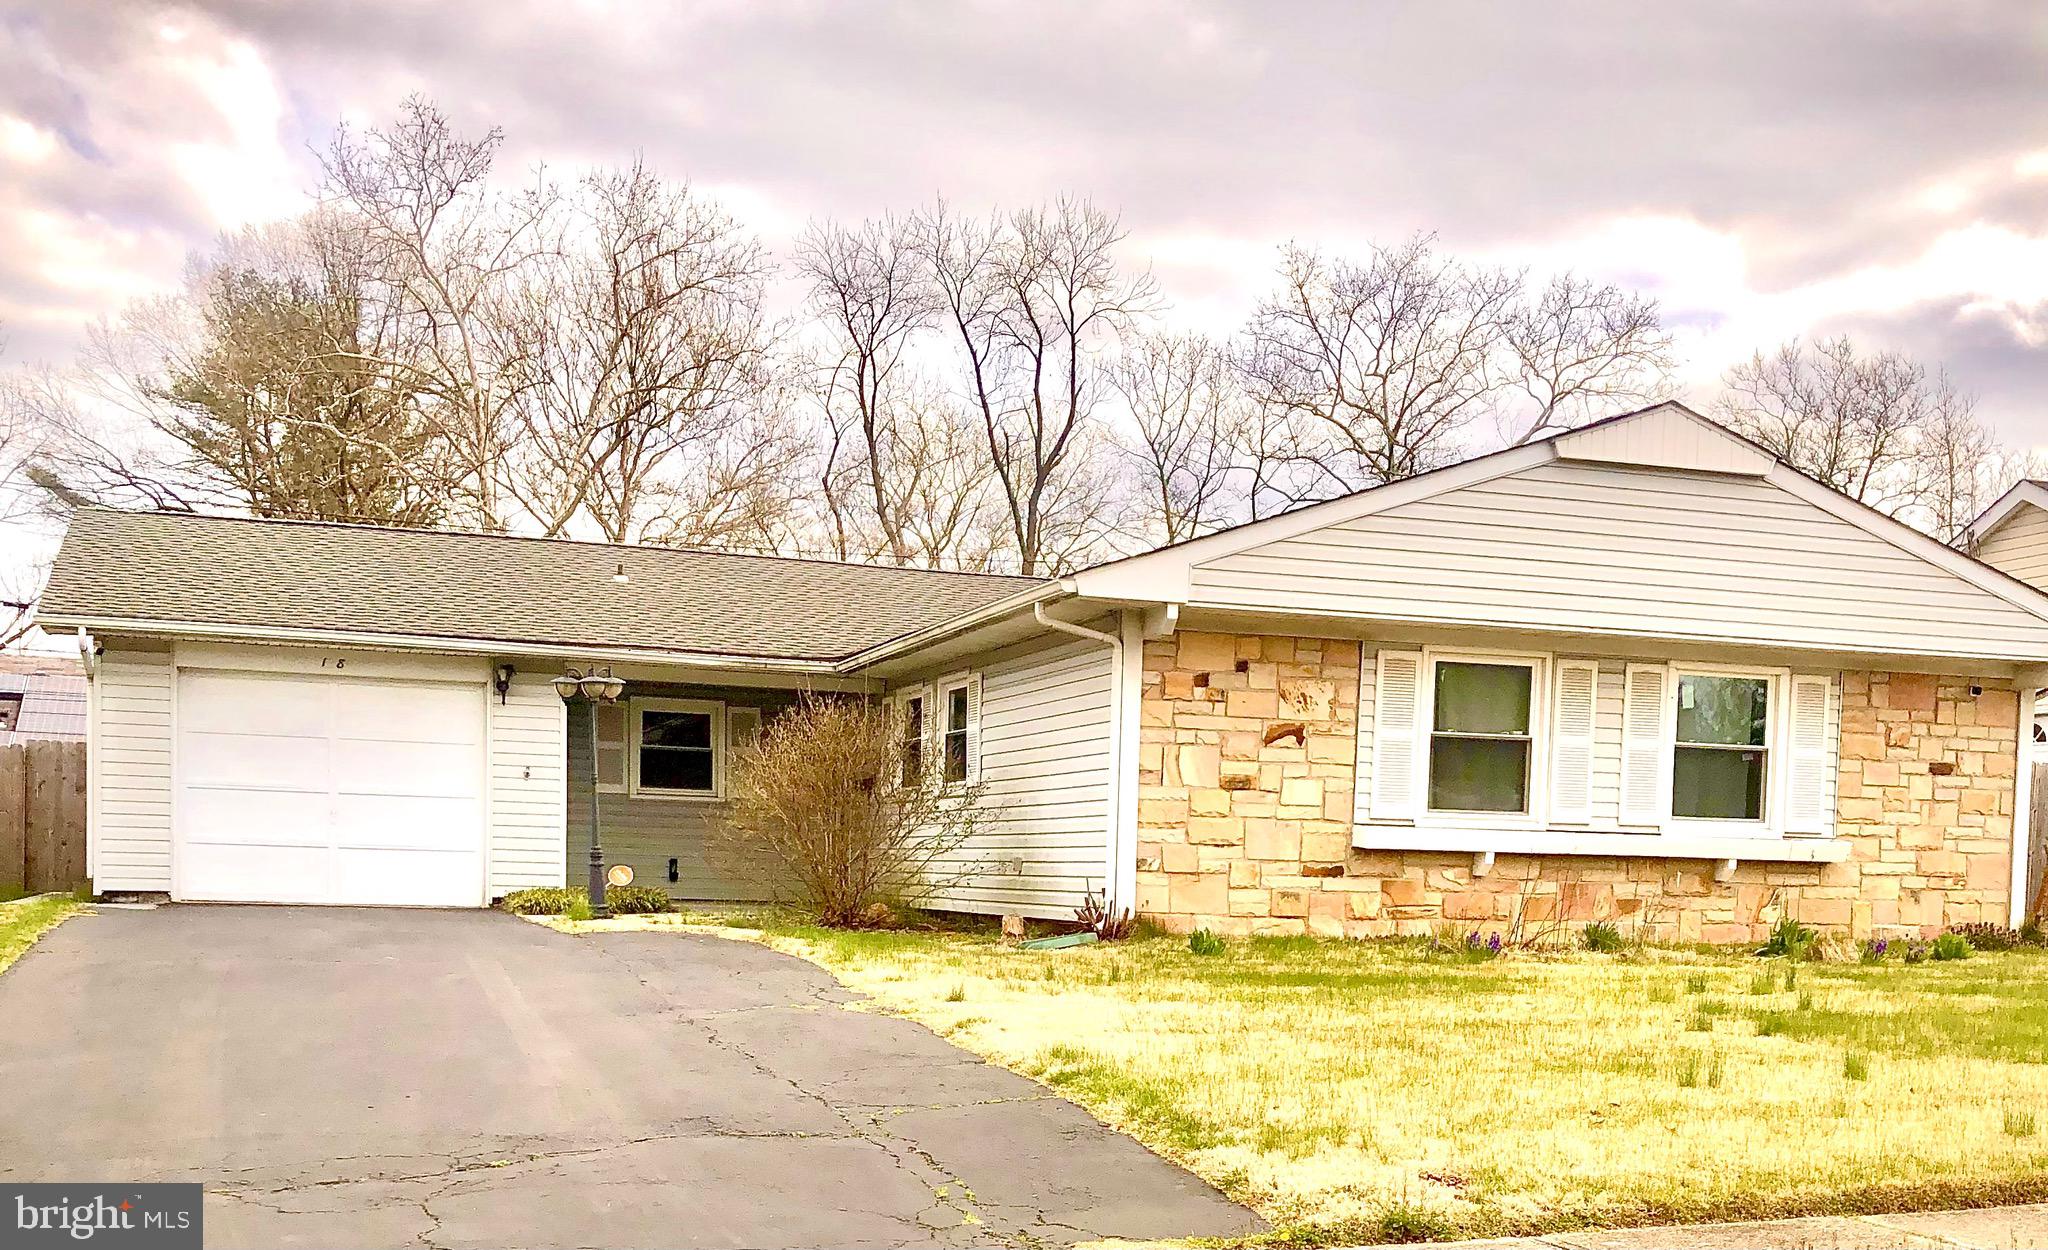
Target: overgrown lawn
x: 1357, y: 1091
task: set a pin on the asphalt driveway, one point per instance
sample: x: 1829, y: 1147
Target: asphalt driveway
x: 406, y: 1078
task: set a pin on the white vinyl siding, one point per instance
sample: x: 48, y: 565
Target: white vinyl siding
x: 1043, y: 745
x: 1606, y: 550
x: 2019, y: 546
x: 130, y: 771
x: 1604, y: 813
x: 529, y: 792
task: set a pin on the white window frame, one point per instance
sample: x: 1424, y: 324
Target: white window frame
x: 1536, y: 813
x: 711, y: 707
x: 1777, y: 752
x: 899, y: 704
x: 942, y: 705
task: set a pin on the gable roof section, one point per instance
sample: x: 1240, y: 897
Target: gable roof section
x: 165, y: 570
x: 2024, y: 493
x: 1656, y: 523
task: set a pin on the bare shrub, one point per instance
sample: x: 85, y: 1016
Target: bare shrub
x: 826, y: 818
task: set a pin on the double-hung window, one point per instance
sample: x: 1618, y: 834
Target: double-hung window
x: 1482, y: 744
x: 953, y: 736
x: 1720, y: 764
x: 957, y: 705
x: 910, y: 738
x: 678, y: 748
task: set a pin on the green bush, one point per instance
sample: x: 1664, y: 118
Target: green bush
x: 636, y: 900
x: 579, y: 908
x: 1950, y: 946
x: 545, y: 900
x: 1203, y: 942
x: 1789, y: 939
x: 1603, y: 937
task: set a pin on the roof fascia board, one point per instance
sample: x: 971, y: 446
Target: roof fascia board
x: 966, y: 621
x: 1162, y: 576
x: 1910, y: 540
x: 1385, y: 625
x: 2022, y: 492
x: 422, y: 642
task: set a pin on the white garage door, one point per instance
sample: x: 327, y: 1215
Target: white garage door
x: 307, y: 789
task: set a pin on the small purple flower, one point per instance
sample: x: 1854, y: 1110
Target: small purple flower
x: 1493, y: 943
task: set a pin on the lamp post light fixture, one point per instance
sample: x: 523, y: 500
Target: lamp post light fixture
x: 594, y: 687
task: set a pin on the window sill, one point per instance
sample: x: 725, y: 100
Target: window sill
x: 1807, y: 850
x: 678, y: 796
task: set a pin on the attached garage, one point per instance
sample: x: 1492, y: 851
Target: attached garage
x: 328, y: 788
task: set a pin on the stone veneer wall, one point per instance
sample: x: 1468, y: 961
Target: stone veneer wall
x: 1245, y: 816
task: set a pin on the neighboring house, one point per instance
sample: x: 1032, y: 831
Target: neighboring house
x: 2013, y: 535
x: 1639, y: 672
x: 41, y: 697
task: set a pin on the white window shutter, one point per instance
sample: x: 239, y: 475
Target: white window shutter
x: 973, y: 728
x: 1645, y: 745
x: 1806, y: 790
x: 1397, y: 746
x: 1571, y: 767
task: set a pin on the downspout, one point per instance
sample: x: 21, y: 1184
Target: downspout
x: 1111, y: 876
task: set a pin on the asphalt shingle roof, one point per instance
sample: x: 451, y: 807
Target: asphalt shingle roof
x: 155, y: 566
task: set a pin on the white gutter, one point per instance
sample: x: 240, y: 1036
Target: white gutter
x: 1029, y: 597
x: 458, y: 646
x: 1113, y: 899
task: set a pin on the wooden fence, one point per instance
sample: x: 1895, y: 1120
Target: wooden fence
x: 42, y: 816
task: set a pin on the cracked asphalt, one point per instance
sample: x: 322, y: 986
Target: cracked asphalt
x: 373, y: 1078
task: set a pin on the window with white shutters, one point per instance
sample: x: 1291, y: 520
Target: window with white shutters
x: 1397, y: 706
x: 1644, y: 745
x: 1573, y: 724
x: 1806, y: 789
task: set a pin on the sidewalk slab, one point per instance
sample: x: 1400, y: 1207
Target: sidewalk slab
x: 1993, y: 1228
x: 1826, y: 1232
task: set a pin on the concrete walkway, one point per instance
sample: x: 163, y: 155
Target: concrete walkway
x: 371, y: 1078
x: 1993, y: 1228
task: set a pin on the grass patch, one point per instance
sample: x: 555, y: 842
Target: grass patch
x: 1357, y: 1092
x: 21, y: 923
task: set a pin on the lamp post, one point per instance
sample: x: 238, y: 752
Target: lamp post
x: 594, y: 687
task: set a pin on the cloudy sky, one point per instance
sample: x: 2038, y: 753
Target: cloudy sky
x: 1765, y: 169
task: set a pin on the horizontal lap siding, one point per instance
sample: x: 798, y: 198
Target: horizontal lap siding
x: 1627, y: 551
x: 528, y: 787
x: 647, y: 832
x: 2020, y: 546
x: 1045, y: 764
x: 131, y: 772
x: 1607, y: 739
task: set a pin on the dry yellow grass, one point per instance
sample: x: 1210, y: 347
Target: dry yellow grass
x: 1348, y: 1090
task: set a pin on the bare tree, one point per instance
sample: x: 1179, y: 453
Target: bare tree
x: 1191, y: 421
x: 637, y: 364
x: 1854, y: 422
x: 249, y: 390
x: 1959, y: 466
x: 1035, y: 302
x: 869, y: 294
x: 1581, y: 350
x: 1371, y: 373
x: 444, y: 247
